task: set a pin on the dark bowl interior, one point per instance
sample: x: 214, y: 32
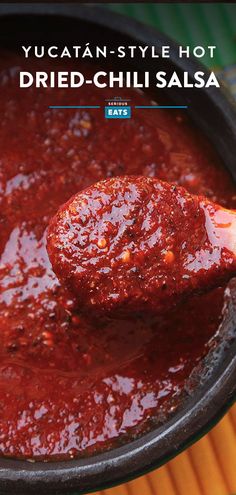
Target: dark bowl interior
x: 215, y: 114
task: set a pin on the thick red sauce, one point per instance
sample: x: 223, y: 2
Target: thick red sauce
x: 68, y: 385
x: 134, y: 244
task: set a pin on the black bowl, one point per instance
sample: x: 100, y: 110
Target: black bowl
x: 214, y: 392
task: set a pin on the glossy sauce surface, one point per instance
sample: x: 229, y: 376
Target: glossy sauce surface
x: 134, y: 244
x: 68, y: 385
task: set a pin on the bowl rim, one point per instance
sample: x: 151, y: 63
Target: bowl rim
x: 154, y: 448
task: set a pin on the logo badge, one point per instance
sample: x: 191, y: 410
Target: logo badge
x: 117, y: 108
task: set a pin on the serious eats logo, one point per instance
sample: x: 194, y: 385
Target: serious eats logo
x: 117, y: 108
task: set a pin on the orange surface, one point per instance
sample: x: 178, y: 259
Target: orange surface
x: 206, y: 468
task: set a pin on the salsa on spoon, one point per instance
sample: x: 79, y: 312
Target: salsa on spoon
x: 133, y: 244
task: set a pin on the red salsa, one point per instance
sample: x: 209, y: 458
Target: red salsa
x: 137, y: 244
x: 70, y: 385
